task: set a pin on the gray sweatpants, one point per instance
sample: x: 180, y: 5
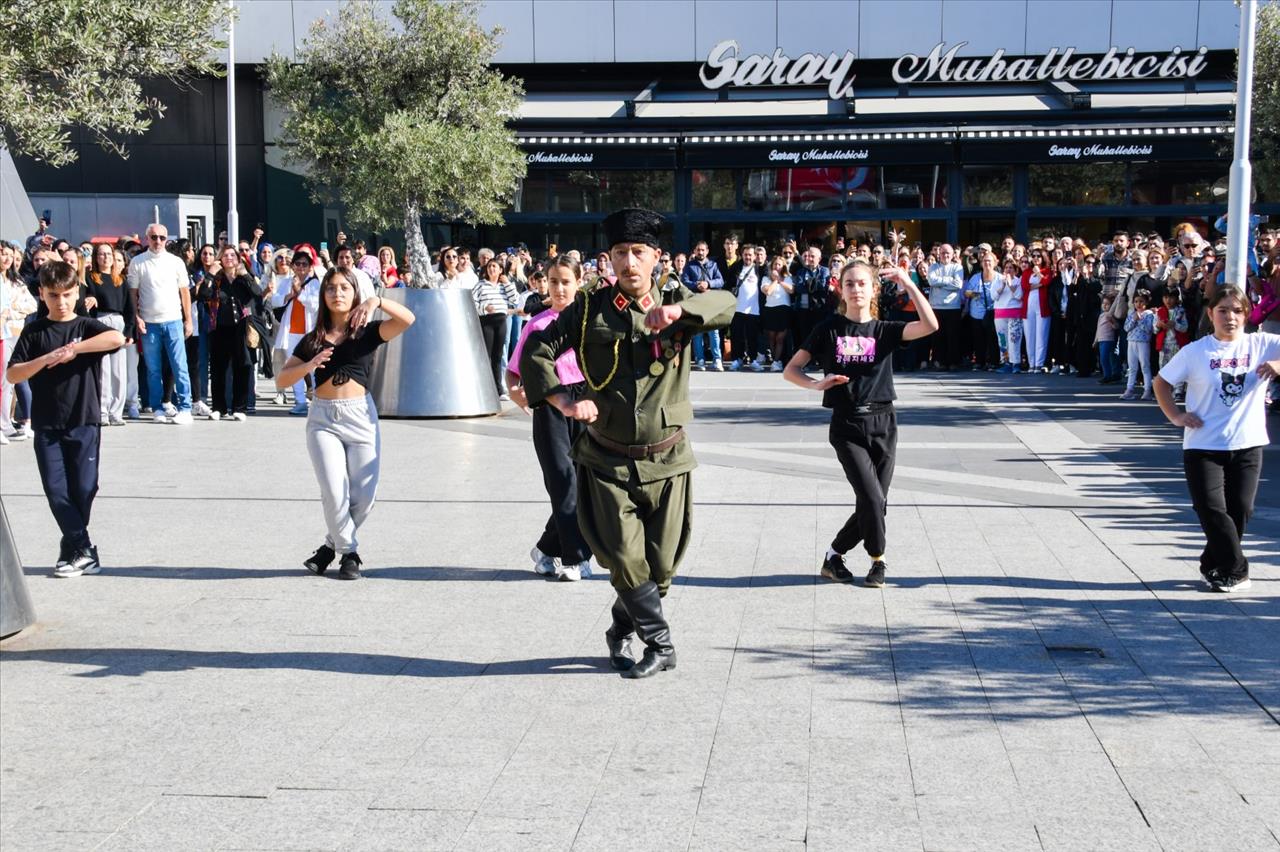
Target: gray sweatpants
x: 343, y: 440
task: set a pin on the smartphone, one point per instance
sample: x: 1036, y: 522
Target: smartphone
x: 324, y: 245
x: 86, y: 251
x: 47, y: 215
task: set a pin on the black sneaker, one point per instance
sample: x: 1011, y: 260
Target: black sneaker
x: 833, y: 568
x: 319, y: 561
x: 1211, y: 579
x: 875, y: 577
x: 84, y: 561
x: 349, y: 568
x: 1232, y: 584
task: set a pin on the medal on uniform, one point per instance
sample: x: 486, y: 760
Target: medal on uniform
x: 656, y: 369
x: 668, y: 351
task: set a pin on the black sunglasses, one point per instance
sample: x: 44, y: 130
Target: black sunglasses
x: 158, y: 238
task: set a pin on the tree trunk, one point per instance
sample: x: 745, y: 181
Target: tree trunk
x: 415, y: 248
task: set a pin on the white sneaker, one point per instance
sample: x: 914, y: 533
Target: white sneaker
x: 574, y: 573
x: 718, y: 366
x: 160, y: 417
x: 215, y: 415
x: 1056, y: 370
x: 544, y: 564
x: 777, y: 367
x: 18, y: 433
x: 239, y: 417
x: 279, y: 398
x: 170, y: 409
x: 3, y: 440
x: 201, y: 409
x: 183, y: 418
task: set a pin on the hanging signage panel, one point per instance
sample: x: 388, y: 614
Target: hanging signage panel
x: 816, y: 155
x: 1089, y: 149
x: 600, y: 157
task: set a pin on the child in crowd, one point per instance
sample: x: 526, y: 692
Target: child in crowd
x: 1172, y: 332
x: 1140, y: 327
x: 561, y: 551
x: 1105, y: 340
x: 60, y: 355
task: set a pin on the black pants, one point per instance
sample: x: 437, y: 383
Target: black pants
x: 493, y: 328
x: 1086, y: 352
x: 193, y: 368
x: 1223, y: 486
x: 866, y: 446
x: 68, y: 464
x: 980, y: 340
x: 744, y: 338
x: 553, y: 436
x: 226, y: 350
x: 946, y: 341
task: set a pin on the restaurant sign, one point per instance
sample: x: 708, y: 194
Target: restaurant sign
x: 725, y: 65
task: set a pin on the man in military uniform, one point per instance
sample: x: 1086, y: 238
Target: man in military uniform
x: 634, y: 462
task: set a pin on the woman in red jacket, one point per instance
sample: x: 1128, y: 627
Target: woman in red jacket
x: 1035, y: 309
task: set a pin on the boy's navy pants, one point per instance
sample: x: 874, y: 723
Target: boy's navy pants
x: 68, y: 462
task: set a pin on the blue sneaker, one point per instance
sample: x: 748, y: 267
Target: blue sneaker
x: 1007, y: 368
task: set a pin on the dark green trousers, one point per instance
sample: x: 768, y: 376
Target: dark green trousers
x: 637, y: 532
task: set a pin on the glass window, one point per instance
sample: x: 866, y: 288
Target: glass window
x: 794, y: 189
x: 988, y: 186
x: 1176, y: 183
x: 1090, y: 185
x: 713, y: 189
x: 862, y: 188
x: 914, y: 187
x: 583, y: 191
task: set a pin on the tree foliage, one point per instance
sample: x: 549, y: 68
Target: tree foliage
x: 76, y: 62
x: 1265, y: 140
x: 400, y: 117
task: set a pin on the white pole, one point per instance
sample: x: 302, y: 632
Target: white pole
x: 233, y: 216
x: 1241, y: 187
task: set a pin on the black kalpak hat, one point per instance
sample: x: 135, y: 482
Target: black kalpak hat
x: 632, y: 225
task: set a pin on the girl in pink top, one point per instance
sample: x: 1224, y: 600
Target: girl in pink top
x: 561, y: 552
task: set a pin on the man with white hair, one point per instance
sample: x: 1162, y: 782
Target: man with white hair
x: 159, y: 281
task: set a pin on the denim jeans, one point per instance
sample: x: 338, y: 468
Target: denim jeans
x: 708, y: 341
x: 167, y: 338
x: 1107, y: 359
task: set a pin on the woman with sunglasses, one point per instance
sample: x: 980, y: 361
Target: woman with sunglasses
x: 450, y: 271
x: 1035, y: 309
x: 296, y: 301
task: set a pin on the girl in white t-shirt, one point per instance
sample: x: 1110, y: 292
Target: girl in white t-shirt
x: 1225, y: 429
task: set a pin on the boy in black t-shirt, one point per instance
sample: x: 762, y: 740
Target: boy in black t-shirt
x: 59, y: 355
x: 855, y: 351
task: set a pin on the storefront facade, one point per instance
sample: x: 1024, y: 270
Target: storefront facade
x: 777, y: 118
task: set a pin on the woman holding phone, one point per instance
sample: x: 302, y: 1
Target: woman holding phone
x: 856, y: 353
x: 342, y: 426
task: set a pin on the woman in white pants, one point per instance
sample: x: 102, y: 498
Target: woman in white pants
x: 342, y: 427
x: 19, y: 304
x: 111, y: 303
x: 296, y: 296
x: 1007, y: 293
x: 1035, y: 316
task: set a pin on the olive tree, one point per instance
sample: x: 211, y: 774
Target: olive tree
x: 74, y: 62
x: 1264, y: 143
x: 401, y: 115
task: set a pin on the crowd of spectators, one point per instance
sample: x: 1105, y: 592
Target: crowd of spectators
x: 203, y: 321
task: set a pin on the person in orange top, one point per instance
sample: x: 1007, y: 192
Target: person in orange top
x: 296, y: 307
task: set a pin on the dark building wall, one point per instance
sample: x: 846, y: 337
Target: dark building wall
x: 184, y: 152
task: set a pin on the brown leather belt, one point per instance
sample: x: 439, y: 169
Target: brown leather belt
x: 636, y: 451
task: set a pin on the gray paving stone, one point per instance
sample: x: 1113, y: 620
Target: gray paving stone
x: 453, y: 699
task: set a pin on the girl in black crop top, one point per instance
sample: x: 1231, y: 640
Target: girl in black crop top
x: 342, y: 424
x: 856, y: 353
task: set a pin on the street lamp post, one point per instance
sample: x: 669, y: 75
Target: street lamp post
x: 1240, y: 188
x: 233, y: 215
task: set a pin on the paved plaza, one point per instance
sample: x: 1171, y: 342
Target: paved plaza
x: 1040, y: 673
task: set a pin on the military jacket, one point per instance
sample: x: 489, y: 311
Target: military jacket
x: 647, y: 397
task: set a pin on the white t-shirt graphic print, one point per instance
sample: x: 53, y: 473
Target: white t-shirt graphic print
x: 1223, y: 390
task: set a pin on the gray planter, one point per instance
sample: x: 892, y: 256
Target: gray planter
x: 16, y: 609
x: 438, y: 368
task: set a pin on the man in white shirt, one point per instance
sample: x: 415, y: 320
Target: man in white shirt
x: 159, y: 281
x: 946, y: 288
x: 746, y: 318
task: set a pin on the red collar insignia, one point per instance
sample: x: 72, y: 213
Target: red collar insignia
x: 646, y: 302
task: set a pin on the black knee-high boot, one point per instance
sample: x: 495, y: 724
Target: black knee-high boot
x: 644, y: 605
x: 618, y: 638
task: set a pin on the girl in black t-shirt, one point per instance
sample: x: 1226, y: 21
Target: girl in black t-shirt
x: 342, y: 425
x: 856, y: 354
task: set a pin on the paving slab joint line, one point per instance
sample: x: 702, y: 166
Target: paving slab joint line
x: 1247, y: 691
